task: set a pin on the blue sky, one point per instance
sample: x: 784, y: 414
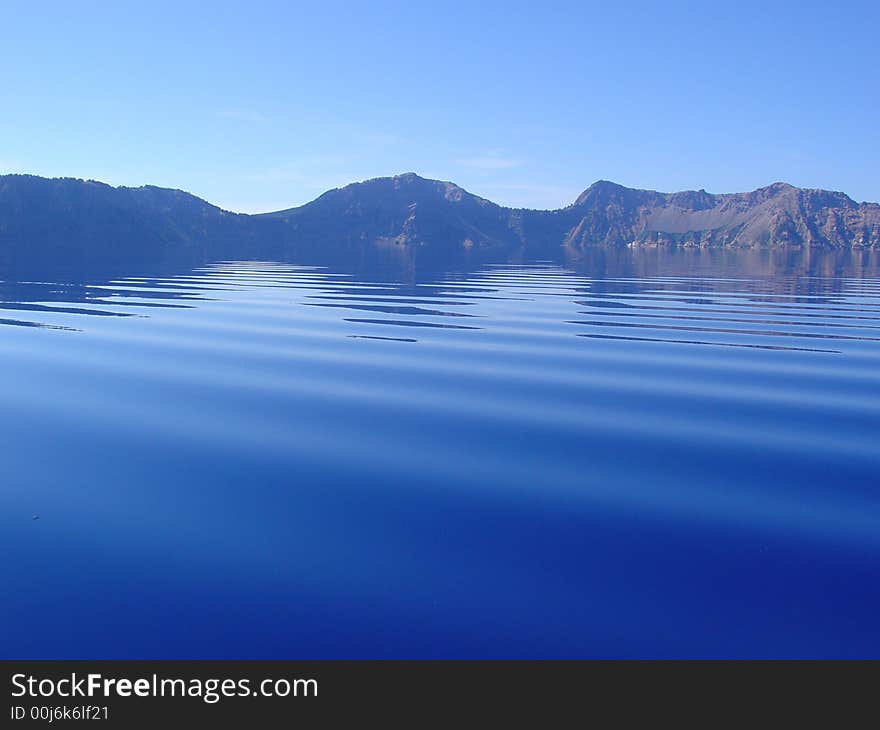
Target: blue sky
x: 262, y: 105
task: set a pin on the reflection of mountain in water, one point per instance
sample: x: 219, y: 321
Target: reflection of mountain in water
x: 808, y: 301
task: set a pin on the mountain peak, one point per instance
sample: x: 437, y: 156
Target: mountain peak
x: 605, y: 185
x: 604, y: 190
x: 776, y: 188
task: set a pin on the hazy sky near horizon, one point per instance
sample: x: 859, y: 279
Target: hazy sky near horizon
x: 264, y: 105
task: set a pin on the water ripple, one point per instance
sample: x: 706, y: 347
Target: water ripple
x: 660, y: 456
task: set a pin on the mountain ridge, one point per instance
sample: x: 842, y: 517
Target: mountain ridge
x: 70, y: 218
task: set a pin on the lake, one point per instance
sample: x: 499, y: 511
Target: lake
x: 640, y: 454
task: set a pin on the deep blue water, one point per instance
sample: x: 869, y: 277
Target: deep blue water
x: 255, y: 460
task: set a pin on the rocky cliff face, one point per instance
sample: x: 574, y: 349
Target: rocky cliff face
x: 778, y: 215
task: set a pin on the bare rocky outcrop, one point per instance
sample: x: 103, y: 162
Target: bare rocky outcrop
x: 775, y: 216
